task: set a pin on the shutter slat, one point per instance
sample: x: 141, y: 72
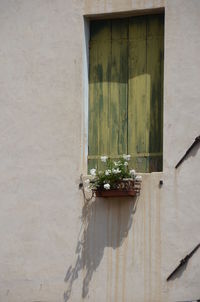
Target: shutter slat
x: 118, y: 88
x: 100, y: 57
x: 138, y: 99
x: 155, y: 70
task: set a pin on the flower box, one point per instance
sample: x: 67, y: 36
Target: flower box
x: 115, y: 180
x: 115, y: 193
x: 125, y: 188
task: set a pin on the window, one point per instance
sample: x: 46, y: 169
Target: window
x: 126, y: 91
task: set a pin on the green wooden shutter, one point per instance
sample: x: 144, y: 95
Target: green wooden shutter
x: 125, y: 91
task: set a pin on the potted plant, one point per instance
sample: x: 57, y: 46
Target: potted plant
x: 115, y: 180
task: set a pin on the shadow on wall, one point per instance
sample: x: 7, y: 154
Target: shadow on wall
x: 105, y: 223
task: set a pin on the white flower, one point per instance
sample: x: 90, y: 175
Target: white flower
x: 116, y: 171
x: 107, y: 186
x: 107, y: 172
x: 138, y: 178
x: 104, y: 158
x: 117, y: 163
x: 126, y: 157
x: 125, y: 163
x: 132, y: 172
x: 93, y: 172
x: 87, y: 181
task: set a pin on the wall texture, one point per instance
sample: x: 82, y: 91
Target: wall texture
x: 54, y: 246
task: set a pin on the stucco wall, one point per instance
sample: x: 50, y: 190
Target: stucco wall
x: 54, y: 247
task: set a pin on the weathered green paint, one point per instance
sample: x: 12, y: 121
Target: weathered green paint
x: 126, y: 91
x: 118, y: 88
x: 100, y: 58
x: 155, y: 49
x: 138, y: 100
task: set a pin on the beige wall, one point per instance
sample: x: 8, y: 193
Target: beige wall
x: 54, y: 247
